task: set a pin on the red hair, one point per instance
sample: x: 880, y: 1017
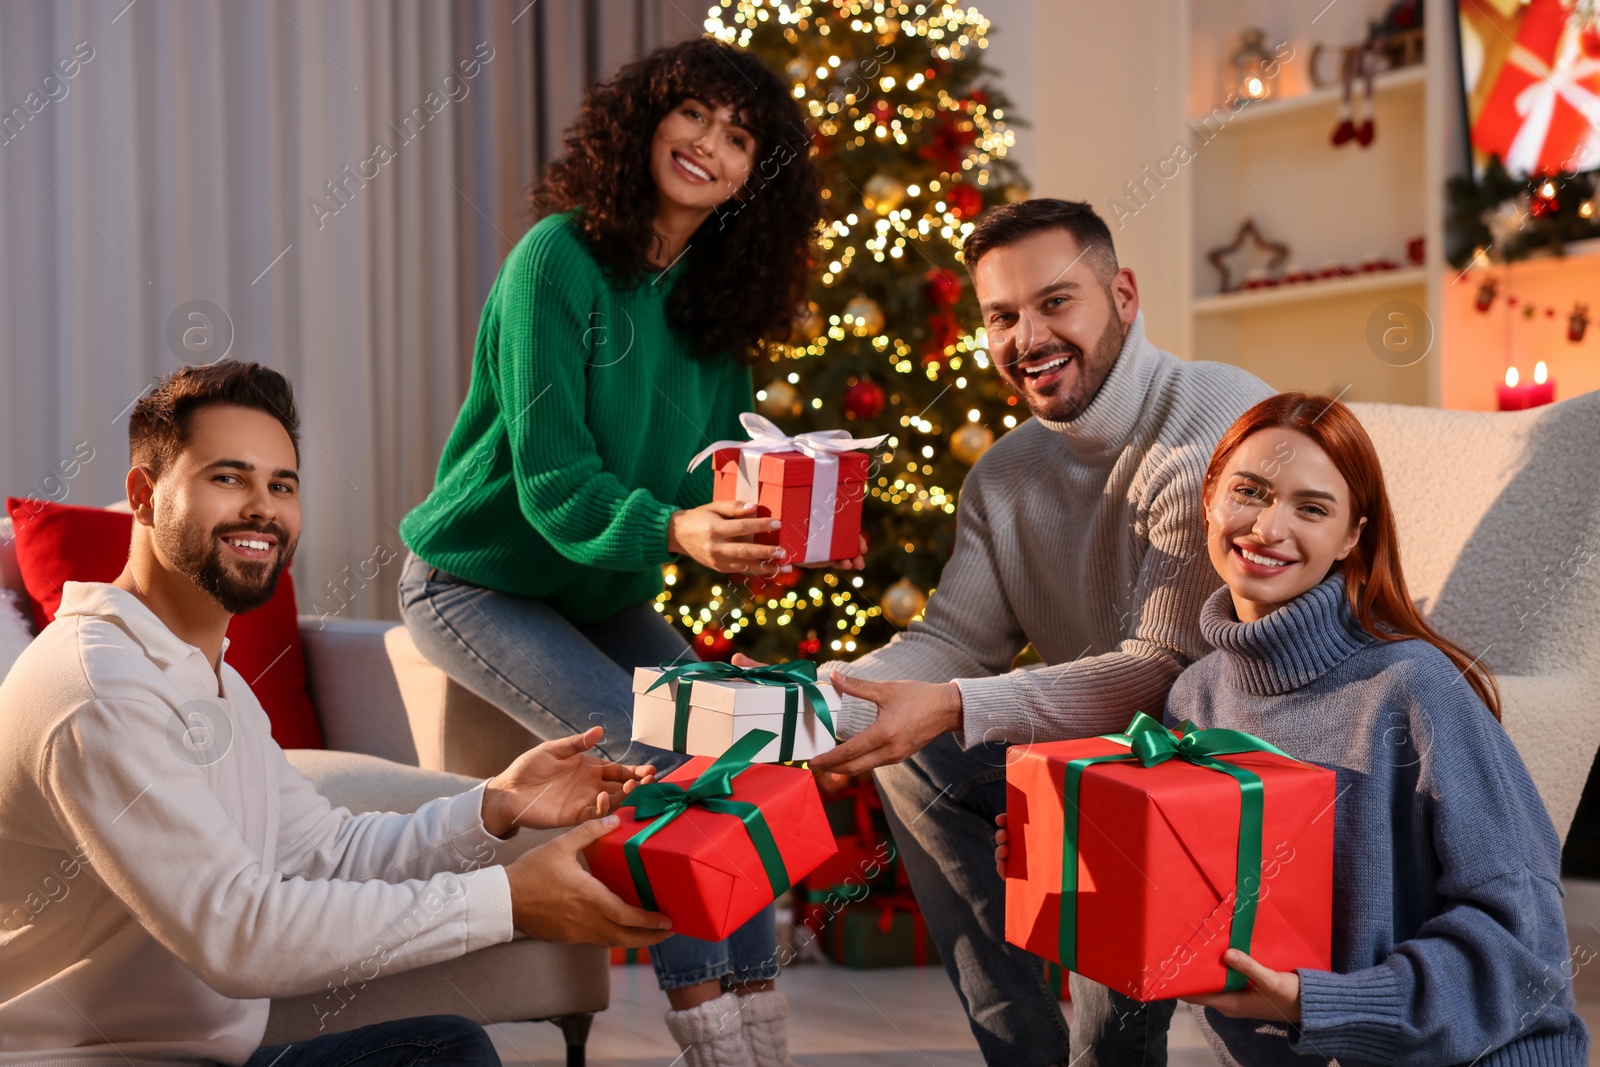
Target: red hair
x: 1374, y: 583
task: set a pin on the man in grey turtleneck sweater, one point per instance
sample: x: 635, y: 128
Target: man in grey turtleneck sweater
x: 1079, y: 533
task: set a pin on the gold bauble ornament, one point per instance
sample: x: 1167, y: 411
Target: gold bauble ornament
x: 1014, y: 194
x: 883, y: 193
x: 866, y: 315
x: 902, y: 602
x: 780, y: 400
x: 970, y: 442
x: 808, y: 323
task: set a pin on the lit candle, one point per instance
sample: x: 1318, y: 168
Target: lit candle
x: 1543, y: 389
x: 1512, y: 397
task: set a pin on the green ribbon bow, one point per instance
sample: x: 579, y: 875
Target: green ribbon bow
x: 1152, y: 744
x: 797, y: 677
x: 665, y: 801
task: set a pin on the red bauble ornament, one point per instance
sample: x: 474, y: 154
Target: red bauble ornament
x: 1589, y: 40
x: 965, y: 201
x: 811, y: 647
x: 882, y: 111
x: 761, y: 585
x: 713, y: 643
x: 978, y: 96
x: 944, y: 329
x: 949, y: 143
x: 942, y: 287
x: 864, y: 399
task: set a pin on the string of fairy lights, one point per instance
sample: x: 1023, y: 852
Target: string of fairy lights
x: 854, y: 104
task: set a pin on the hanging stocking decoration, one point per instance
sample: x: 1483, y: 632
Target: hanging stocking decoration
x: 1345, y: 130
x: 1486, y: 293
x: 1369, y: 66
x: 1577, y: 322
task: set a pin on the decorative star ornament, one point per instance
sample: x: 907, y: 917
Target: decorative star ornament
x: 1279, y: 253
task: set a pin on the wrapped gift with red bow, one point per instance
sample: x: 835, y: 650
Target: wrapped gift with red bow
x: 813, y: 483
x: 1543, y: 106
x: 715, y: 841
x: 1137, y: 859
x: 703, y: 708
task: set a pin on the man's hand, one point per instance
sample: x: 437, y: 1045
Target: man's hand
x: 557, y: 784
x: 719, y: 534
x: 1273, y: 995
x: 554, y: 898
x: 910, y: 714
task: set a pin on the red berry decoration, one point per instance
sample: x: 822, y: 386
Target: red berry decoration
x: 714, y: 643
x: 942, y: 287
x: 863, y: 399
x: 1589, y: 40
x: 965, y: 201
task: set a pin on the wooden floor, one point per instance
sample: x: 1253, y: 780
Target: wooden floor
x: 902, y: 1018
x: 839, y: 1017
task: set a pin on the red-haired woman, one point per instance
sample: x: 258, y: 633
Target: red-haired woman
x: 1449, y: 944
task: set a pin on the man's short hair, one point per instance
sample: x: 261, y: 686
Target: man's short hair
x: 1010, y: 223
x: 158, y: 428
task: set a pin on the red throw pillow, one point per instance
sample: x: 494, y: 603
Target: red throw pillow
x: 59, y: 543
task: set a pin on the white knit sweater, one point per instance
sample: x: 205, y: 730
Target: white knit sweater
x: 153, y: 894
x: 1085, y: 539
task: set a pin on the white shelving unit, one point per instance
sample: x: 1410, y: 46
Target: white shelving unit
x: 1273, y: 162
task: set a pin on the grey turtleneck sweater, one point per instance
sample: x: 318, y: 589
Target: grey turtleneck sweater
x: 1085, y: 539
x: 1449, y: 944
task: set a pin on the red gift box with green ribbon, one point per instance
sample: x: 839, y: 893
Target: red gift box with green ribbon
x: 881, y: 931
x: 1137, y: 859
x: 715, y: 841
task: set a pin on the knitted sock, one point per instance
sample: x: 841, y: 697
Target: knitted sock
x: 712, y: 1034
x: 765, y: 1016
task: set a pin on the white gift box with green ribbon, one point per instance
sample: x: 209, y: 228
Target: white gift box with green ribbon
x: 704, y: 709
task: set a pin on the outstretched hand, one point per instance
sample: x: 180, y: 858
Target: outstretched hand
x: 556, y: 784
x: 910, y: 714
x: 554, y: 898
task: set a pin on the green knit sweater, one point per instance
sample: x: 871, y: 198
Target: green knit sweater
x: 570, y: 452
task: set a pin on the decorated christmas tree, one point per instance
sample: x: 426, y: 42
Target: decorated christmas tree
x: 911, y: 138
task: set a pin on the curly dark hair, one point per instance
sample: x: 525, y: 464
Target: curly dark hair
x: 748, y: 262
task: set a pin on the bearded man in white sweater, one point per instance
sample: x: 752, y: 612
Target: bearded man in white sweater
x: 1079, y: 533
x: 207, y: 875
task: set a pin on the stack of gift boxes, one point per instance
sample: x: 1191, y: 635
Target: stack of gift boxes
x: 858, y: 905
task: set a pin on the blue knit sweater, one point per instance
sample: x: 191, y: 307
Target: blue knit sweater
x: 1449, y: 944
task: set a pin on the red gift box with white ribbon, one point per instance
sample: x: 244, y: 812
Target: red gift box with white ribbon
x: 813, y: 483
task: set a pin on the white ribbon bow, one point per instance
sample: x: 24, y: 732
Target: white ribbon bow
x: 823, y: 446
x: 1536, y: 104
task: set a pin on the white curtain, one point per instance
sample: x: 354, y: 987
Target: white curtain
x: 171, y: 158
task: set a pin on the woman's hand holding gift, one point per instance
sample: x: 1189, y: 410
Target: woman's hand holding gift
x: 718, y: 535
x: 1273, y: 995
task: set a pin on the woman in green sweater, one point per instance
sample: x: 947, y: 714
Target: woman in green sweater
x: 671, y: 250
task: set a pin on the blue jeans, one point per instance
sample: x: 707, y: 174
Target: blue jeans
x: 558, y: 678
x: 941, y: 805
x: 431, y: 1040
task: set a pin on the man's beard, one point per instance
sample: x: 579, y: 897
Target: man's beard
x: 1065, y: 408
x: 197, y: 555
